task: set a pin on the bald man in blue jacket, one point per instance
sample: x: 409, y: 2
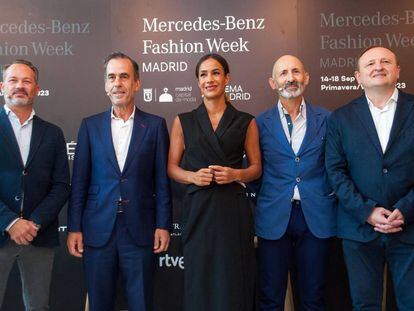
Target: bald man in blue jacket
x: 295, y: 212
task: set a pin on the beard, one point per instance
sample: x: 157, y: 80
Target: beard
x: 19, y: 101
x: 11, y: 100
x: 286, y: 93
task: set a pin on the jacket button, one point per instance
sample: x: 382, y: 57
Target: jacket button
x: 298, y: 179
x: 384, y: 170
x: 297, y: 159
x: 17, y: 198
x: 25, y: 172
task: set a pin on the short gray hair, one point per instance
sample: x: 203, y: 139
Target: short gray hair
x: 118, y: 55
x: 23, y: 62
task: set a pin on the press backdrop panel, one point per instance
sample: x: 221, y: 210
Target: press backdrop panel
x: 333, y: 33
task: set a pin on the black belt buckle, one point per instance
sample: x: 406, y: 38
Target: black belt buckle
x: 120, y: 208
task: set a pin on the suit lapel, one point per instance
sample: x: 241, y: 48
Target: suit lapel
x: 6, y: 132
x: 138, y: 133
x: 38, y: 131
x: 404, y: 108
x: 313, y: 124
x: 364, y: 115
x: 225, y: 120
x: 106, y: 138
x: 273, y: 123
x: 205, y: 125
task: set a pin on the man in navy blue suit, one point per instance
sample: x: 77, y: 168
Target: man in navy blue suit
x: 370, y: 162
x: 34, y: 186
x: 295, y: 212
x: 120, y: 208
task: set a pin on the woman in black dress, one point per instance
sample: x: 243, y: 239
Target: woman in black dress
x: 206, y: 153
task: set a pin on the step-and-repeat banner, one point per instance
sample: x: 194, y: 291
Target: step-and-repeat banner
x: 68, y: 41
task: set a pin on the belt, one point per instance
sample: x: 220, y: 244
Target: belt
x: 295, y: 202
x: 120, y: 205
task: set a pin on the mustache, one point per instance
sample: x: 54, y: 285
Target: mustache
x: 293, y: 83
x: 20, y: 91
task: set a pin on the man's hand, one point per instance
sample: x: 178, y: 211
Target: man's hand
x: 396, y: 217
x: 385, y: 221
x: 75, y: 244
x: 23, y: 231
x: 395, y: 221
x: 161, y: 240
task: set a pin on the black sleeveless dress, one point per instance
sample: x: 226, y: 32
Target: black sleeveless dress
x: 217, y: 224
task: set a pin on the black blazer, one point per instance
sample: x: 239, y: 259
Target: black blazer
x: 42, y: 184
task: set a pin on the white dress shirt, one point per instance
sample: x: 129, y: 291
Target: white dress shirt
x: 121, y: 136
x: 23, y: 134
x: 298, y: 132
x: 383, y: 118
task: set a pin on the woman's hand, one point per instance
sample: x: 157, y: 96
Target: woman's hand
x: 203, y: 177
x: 224, y: 174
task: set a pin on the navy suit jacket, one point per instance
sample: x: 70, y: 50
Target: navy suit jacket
x: 42, y: 184
x: 363, y: 176
x: 98, y: 183
x: 281, y: 170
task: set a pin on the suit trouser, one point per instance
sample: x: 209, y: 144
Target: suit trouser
x: 308, y: 254
x: 119, y: 255
x: 35, y: 266
x: 365, y: 264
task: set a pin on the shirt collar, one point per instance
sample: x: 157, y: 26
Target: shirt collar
x: 11, y: 114
x: 283, y: 111
x: 390, y: 102
x: 114, y: 117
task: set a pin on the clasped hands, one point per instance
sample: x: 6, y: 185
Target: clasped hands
x: 217, y: 173
x: 23, y: 231
x: 385, y: 221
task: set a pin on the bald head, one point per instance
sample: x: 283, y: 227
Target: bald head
x: 289, y: 77
x: 285, y: 62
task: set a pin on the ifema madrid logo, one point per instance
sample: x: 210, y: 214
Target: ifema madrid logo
x: 236, y: 92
